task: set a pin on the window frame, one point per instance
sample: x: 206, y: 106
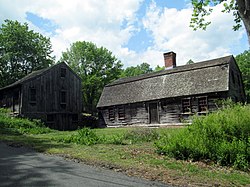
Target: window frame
x: 32, y: 95
x: 202, y: 106
x: 121, y: 112
x: 186, y: 105
x: 111, y: 113
x: 63, y: 98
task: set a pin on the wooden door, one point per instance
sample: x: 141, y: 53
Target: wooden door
x: 153, y: 113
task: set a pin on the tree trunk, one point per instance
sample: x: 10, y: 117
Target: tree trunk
x: 244, y: 12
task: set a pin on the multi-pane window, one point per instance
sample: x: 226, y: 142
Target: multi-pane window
x: 111, y: 113
x: 63, y: 99
x: 186, y: 105
x: 63, y: 72
x: 32, y: 95
x: 202, y: 104
x: 121, y: 112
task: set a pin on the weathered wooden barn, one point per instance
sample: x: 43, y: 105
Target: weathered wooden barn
x: 171, y: 95
x: 52, y: 94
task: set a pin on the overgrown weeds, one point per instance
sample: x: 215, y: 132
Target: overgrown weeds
x: 87, y: 136
x: 222, y: 137
x: 21, y: 125
x: 84, y: 136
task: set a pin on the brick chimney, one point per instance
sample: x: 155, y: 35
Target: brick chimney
x: 170, y: 60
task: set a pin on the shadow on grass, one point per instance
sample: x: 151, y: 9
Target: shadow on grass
x: 16, y: 139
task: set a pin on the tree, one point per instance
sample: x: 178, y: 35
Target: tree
x: 240, y: 9
x: 21, y: 51
x: 96, y: 66
x: 190, y: 62
x: 159, y: 68
x: 243, y: 61
x: 136, y: 70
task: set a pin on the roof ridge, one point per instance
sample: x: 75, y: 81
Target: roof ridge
x: 178, y: 69
x: 30, y: 76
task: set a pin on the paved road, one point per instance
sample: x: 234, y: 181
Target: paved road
x: 24, y: 167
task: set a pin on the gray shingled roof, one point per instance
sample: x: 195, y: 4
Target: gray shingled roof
x: 198, y: 78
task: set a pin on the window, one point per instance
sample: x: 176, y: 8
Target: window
x: 32, y: 95
x: 202, y: 104
x: 186, y: 105
x: 63, y: 72
x: 111, y: 113
x: 63, y: 99
x: 121, y: 112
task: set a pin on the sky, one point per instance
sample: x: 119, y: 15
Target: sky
x: 135, y: 31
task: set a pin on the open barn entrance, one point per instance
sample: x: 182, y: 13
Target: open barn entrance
x: 153, y: 113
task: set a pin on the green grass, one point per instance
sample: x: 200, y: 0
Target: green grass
x: 132, y: 156
x: 222, y: 137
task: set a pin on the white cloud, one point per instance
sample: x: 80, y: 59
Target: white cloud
x: 102, y: 22
x: 171, y: 32
x: 92, y: 20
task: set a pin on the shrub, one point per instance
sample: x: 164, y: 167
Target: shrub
x: 21, y: 125
x: 84, y: 136
x: 222, y: 137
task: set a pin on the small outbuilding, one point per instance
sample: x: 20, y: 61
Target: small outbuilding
x: 171, y: 95
x: 52, y: 94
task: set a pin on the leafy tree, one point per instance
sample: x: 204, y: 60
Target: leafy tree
x: 190, y: 62
x: 96, y: 66
x: 240, y: 9
x: 137, y: 70
x: 243, y: 61
x: 159, y: 68
x: 21, y: 51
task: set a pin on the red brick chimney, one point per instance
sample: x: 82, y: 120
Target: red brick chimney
x: 170, y: 60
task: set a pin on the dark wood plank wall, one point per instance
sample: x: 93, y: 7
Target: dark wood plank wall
x: 236, y: 88
x: 48, y: 97
x: 169, y: 110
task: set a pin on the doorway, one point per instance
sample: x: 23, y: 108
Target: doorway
x: 153, y: 113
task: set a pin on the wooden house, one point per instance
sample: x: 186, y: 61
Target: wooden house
x: 52, y: 94
x: 171, y: 95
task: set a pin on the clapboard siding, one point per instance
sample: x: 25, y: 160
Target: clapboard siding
x: 169, y: 110
x: 159, y: 97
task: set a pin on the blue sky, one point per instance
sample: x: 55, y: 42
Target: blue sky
x: 135, y: 31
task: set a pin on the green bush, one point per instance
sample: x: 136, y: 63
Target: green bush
x: 87, y: 136
x: 222, y: 137
x: 84, y: 136
x: 21, y: 125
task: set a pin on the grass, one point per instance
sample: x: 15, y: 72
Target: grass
x: 217, y: 137
x: 132, y: 156
x: 139, y: 159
